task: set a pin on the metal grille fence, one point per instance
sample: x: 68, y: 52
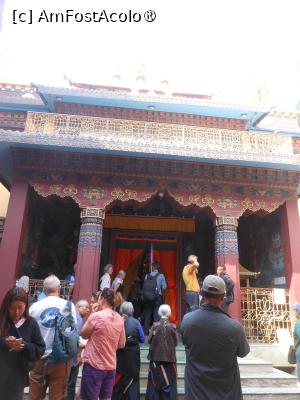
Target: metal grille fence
x: 262, y: 315
x: 36, y: 287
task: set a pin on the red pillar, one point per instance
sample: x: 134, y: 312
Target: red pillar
x: 88, y: 256
x: 14, y: 228
x: 227, y: 254
x: 290, y: 225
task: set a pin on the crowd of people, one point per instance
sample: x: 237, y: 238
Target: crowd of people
x: 42, y: 345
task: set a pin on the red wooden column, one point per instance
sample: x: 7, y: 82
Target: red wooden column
x: 88, y: 256
x: 290, y: 225
x: 14, y: 228
x: 227, y: 254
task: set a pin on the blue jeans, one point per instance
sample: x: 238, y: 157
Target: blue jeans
x: 191, y: 301
x: 72, y: 383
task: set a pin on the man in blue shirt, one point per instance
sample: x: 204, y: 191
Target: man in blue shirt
x: 158, y: 285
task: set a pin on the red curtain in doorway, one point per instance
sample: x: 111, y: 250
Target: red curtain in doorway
x: 129, y: 259
x: 167, y: 260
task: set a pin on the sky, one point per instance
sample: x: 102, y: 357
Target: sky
x: 239, y: 51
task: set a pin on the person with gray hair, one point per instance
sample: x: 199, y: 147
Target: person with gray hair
x: 128, y: 358
x: 105, y: 280
x: 164, y: 311
x: 118, y: 282
x: 45, y: 312
x: 162, y: 377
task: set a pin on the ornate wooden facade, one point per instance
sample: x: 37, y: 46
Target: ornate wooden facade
x: 102, y: 147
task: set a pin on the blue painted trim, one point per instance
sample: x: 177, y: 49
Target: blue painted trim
x: 23, y: 107
x: 178, y: 108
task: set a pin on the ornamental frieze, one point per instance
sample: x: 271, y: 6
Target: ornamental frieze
x: 103, y: 197
x: 159, y: 138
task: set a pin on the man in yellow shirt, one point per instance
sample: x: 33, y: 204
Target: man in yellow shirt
x: 192, y: 287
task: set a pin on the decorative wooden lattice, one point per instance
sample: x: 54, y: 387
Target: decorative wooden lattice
x: 262, y: 316
x: 152, y: 137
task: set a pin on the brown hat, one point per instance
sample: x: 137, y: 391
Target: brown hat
x: 214, y: 285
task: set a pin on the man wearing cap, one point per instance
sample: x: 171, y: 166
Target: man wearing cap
x: 192, y: 288
x: 213, y: 341
x: 229, y: 285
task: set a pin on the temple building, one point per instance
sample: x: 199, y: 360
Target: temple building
x: 107, y: 174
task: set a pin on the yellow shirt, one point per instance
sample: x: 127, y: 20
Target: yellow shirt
x: 190, y: 279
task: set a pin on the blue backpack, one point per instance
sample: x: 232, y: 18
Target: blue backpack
x: 66, y: 337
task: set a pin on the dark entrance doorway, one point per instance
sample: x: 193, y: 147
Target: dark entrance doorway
x: 167, y: 230
x: 261, y: 249
x: 51, y: 240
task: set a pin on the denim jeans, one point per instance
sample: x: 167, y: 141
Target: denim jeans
x: 72, y: 383
x: 191, y: 301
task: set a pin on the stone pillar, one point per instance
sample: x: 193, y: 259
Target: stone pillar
x: 226, y: 253
x: 290, y: 227
x: 88, y: 256
x: 13, y: 235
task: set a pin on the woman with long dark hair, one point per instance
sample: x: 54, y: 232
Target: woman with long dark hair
x: 21, y: 344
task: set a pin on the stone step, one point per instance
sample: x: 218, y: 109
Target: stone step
x: 273, y: 379
x: 253, y: 393
x: 260, y: 381
x: 271, y: 393
x: 246, y: 365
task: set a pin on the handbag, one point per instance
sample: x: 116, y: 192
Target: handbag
x: 292, y: 353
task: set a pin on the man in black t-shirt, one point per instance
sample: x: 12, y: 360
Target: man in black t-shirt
x: 229, y: 296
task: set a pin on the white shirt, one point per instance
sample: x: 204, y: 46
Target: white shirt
x: 105, y: 281
x: 117, y: 281
x: 44, y: 312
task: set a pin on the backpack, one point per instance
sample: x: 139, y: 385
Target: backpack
x: 66, y: 338
x: 150, y: 292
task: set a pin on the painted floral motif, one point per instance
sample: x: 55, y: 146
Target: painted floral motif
x: 95, y: 193
x: 227, y: 202
x: 207, y: 200
x: 70, y: 190
x: 118, y: 193
x: 260, y: 204
x: 131, y: 194
x: 247, y: 203
x: 55, y: 189
x: 195, y: 199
